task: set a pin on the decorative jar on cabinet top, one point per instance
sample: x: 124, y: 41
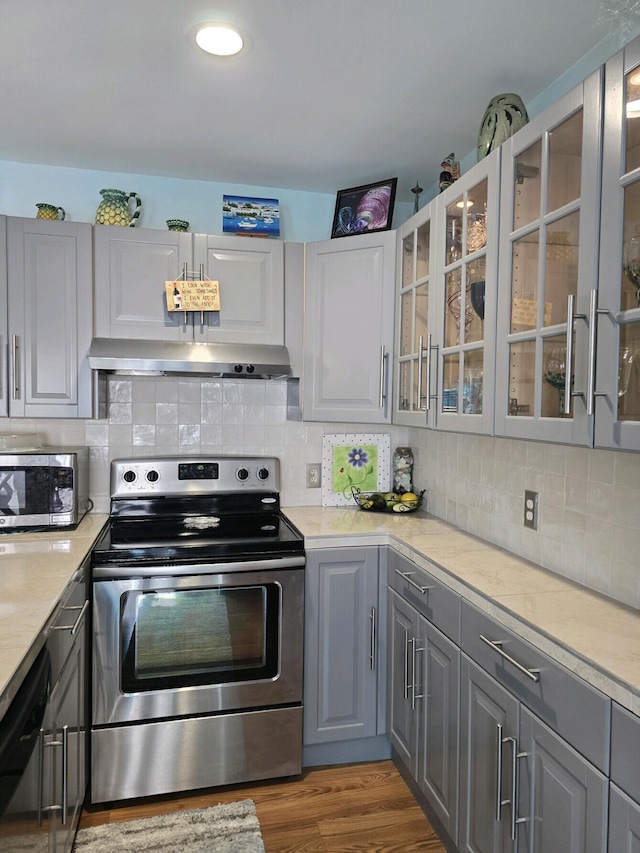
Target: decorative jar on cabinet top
x: 49, y: 211
x: 114, y: 208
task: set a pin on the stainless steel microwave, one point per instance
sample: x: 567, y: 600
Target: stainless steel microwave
x: 43, y: 489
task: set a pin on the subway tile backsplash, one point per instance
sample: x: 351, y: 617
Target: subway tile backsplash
x: 589, y: 523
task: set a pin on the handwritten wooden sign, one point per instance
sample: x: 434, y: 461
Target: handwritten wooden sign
x: 193, y: 295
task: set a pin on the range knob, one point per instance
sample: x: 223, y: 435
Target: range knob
x: 129, y: 476
x: 153, y: 476
x: 263, y: 474
x: 242, y: 474
x: 238, y: 368
x: 250, y: 368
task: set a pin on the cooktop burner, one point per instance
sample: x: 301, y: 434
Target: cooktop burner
x: 188, y: 510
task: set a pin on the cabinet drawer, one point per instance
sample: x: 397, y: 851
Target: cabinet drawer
x: 434, y: 600
x: 70, y: 617
x: 568, y: 705
x: 625, y: 750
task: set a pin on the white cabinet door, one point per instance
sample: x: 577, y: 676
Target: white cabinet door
x: 617, y: 384
x: 49, y: 282
x: 250, y: 273
x: 348, y: 329
x: 131, y: 267
x: 549, y: 225
x: 4, y: 331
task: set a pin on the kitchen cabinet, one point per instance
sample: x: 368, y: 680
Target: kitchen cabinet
x: 550, y: 219
x: 348, y: 329
x: 132, y: 265
x: 534, y: 751
x: 46, y: 318
x: 616, y: 387
x: 624, y: 789
x: 465, y: 282
x: 415, y: 307
x: 424, y: 673
x: 65, y: 727
x: 342, y: 635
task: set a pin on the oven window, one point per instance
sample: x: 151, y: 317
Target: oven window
x: 181, y: 638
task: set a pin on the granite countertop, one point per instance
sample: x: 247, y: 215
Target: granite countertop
x: 35, y: 570
x: 593, y: 636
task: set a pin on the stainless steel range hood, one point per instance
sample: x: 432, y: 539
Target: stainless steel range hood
x: 134, y: 357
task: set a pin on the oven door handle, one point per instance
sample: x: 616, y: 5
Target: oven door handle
x: 153, y: 571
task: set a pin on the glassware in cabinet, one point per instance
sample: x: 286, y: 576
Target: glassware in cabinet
x: 548, y: 270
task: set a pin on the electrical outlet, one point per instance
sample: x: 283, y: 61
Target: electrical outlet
x: 313, y: 475
x: 531, y: 509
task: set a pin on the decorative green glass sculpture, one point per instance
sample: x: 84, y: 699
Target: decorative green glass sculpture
x: 503, y: 117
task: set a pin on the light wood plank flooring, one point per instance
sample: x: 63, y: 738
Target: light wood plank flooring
x: 359, y: 808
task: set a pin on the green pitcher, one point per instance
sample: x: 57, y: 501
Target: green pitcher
x: 114, y: 208
x: 49, y: 211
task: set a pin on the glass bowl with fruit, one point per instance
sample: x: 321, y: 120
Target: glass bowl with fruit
x: 387, y: 501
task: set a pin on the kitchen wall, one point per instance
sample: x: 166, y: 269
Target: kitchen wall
x: 589, y: 524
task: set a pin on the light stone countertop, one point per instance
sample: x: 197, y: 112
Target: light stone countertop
x: 35, y: 570
x: 593, y: 636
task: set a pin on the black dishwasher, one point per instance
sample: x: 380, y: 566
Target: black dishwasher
x: 21, y: 826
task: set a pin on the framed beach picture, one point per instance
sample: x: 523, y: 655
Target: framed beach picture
x: 354, y: 459
x: 253, y: 217
x: 361, y: 210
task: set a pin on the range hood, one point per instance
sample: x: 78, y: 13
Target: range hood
x: 134, y: 357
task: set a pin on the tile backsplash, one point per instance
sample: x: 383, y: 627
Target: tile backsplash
x: 589, y: 524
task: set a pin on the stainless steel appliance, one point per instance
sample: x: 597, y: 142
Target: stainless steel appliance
x: 198, y: 585
x: 43, y: 488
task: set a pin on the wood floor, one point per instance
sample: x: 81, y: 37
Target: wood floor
x: 359, y: 808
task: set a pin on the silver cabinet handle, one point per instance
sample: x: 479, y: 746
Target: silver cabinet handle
x: 65, y: 772
x: 533, y: 674
x: 373, y: 642
x: 591, y: 375
x: 420, y: 352
x: 407, y: 577
x: 567, y: 380
x: 427, y: 401
x: 414, y: 651
x: 40, y: 773
x: 73, y: 629
x: 15, y: 366
x: 515, y: 755
x: 406, y: 664
x: 500, y: 741
x: 383, y: 375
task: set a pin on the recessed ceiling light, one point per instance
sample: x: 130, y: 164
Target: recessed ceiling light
x: 219, y: 39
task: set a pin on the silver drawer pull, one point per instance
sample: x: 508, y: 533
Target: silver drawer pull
x: 533, y: 674
x: 407, y: 577
x: 73, y: 629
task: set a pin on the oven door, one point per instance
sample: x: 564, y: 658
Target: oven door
x: 211, y: 642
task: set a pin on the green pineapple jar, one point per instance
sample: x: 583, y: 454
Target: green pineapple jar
x: 114, y: 208
x: 49, y: 211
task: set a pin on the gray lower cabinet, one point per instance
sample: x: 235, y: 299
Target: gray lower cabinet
x: 64, y: 729
x: 46, y: 318
x: 342, y: 631
x: 624, y: 789
x: 424, y: 677
x: 534, y: 752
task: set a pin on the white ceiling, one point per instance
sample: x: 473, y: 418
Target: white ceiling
x: 332, y: 94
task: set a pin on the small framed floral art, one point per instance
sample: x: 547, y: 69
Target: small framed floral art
x: 354, y: 459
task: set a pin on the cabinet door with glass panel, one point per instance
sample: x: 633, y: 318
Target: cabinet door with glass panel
x: 548, y: 271
x: 617, y: 385
x: 414, y: 294
x: 465, y: 284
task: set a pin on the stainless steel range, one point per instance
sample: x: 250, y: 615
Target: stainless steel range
x: 198, y: 585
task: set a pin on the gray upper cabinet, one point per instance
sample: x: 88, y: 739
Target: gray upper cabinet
x: 465, y: 280
x: 132, y: 266
x: 341, y: 645
x: 548, y: 272
x: 46, y: 319
x: 348, y: 329
x: 617, y: 381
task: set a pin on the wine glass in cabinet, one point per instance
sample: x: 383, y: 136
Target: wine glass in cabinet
x: 548, y: 271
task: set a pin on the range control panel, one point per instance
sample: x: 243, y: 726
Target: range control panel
x: 185, y: 475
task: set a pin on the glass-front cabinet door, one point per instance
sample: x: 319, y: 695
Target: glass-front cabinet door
x: 413, y: 404
x: 465, y: 285
x: 549, y: 272
x: 617, y: 384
